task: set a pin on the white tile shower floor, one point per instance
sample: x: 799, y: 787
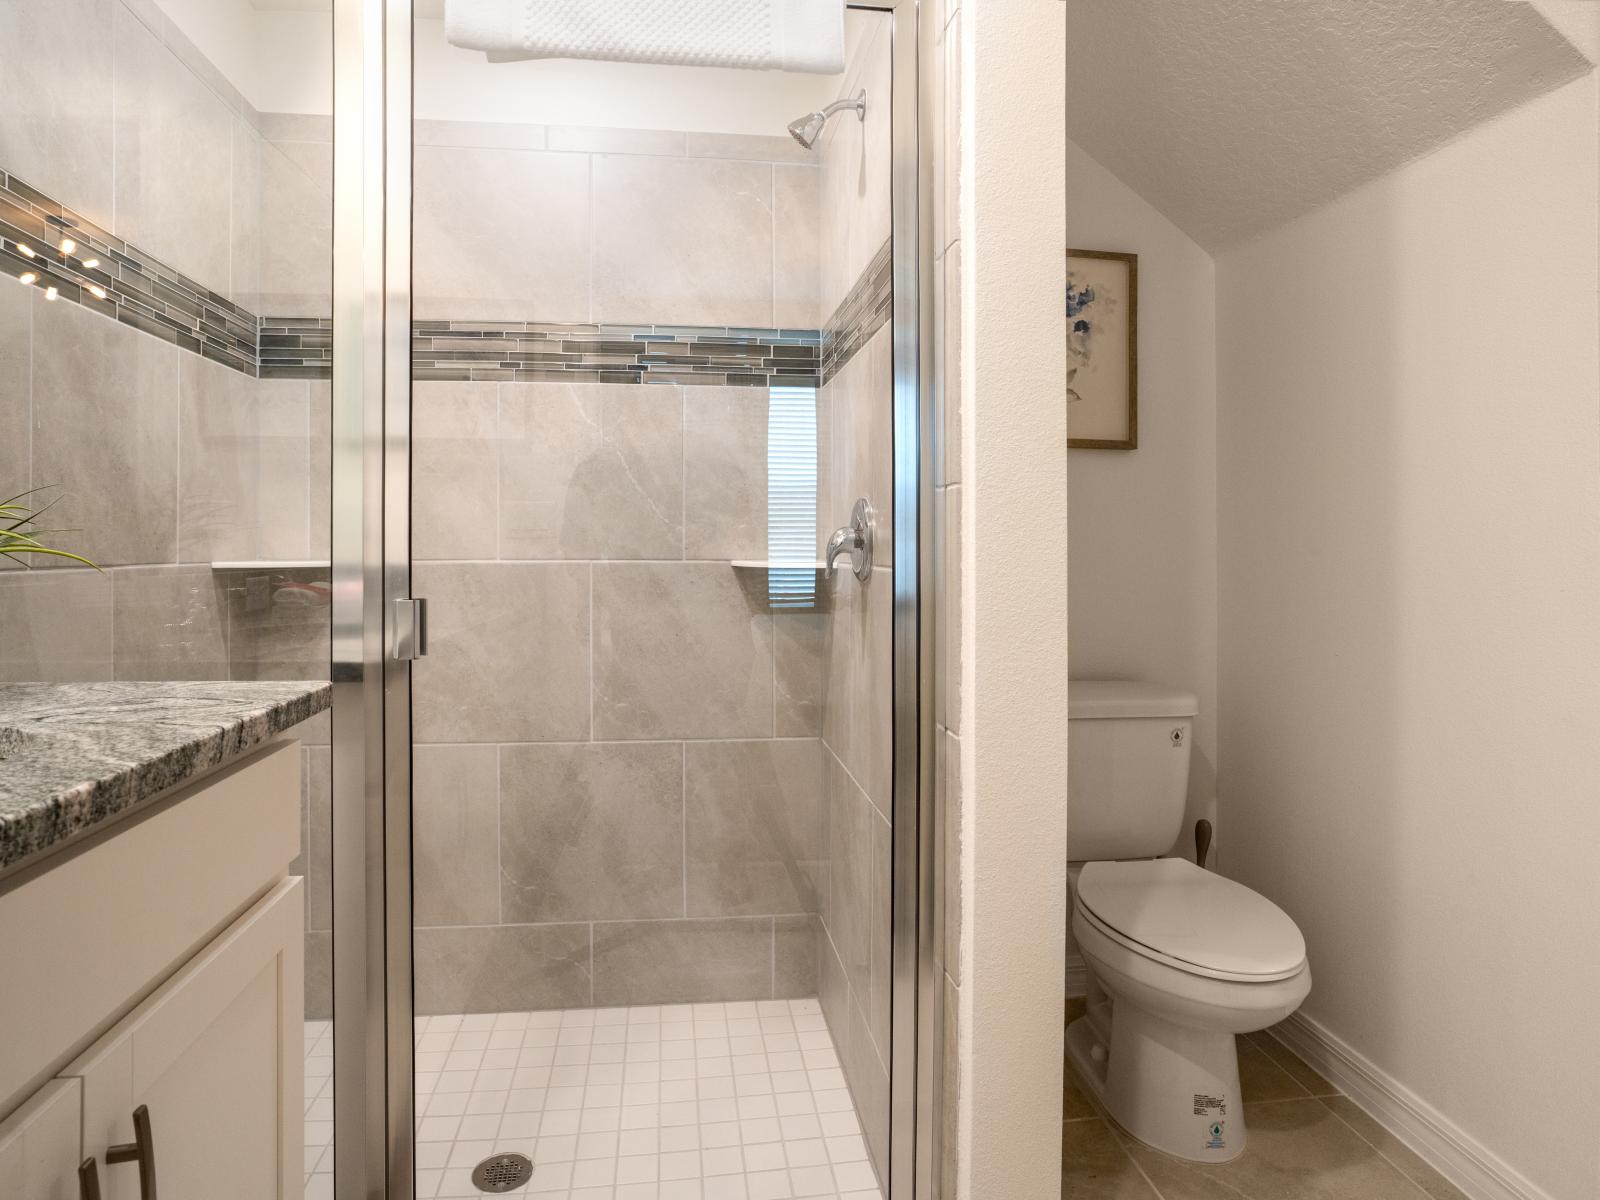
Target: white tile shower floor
x: 741, y: 1101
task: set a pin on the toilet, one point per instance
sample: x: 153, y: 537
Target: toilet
x: 1180, y: 960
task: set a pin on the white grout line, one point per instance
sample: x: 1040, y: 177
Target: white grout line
x: 683, y: 812
x: 499, y: 474
x: 1128, y: 1154
x: 592, y: 230
x: 683, y: 472
x: 177, y: 468
x: 772, y: 241
x: 592, y: 685
x: 499, y: 835
x: 619, y: 741
x: 712, y: 918
x: 30, y: 307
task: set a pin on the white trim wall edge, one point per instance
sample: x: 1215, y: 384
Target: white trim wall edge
x: 1442, y: 1144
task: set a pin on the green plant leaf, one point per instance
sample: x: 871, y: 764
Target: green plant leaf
x: 20, y: 531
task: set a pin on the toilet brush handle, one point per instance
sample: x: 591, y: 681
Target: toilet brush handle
x: 1202, y: 841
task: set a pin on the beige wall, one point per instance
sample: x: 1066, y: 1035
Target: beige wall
x: 1013, y: 651
x: 1409, y: 487
x: 1143, y: 530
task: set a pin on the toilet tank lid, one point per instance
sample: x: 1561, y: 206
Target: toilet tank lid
x: 1103, y: 699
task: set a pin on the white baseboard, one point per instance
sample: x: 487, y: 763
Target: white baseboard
x: 1450, y: 1150
x: 1077, y: 976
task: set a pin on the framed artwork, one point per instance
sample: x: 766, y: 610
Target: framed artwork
x: 1102, y: 350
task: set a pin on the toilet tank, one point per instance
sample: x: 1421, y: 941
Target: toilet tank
x: 1127, y: 768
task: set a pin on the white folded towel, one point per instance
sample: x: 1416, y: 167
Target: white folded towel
x: 755, y: 35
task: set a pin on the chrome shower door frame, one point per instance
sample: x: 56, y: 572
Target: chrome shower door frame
x: 916, y: 871
x: 371, y: 568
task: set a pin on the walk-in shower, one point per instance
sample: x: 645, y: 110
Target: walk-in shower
x: 585, y: 360
x: 652, y: 781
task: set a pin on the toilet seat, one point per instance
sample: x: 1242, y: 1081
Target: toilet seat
x: 1173, y: 912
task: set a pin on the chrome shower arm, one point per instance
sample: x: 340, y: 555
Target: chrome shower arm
x: 856, y: 103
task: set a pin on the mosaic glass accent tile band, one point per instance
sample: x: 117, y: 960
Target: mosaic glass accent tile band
x: 48, y: 246
x: 860, y: 314
x: 66, y: 256
x: 530, y: 351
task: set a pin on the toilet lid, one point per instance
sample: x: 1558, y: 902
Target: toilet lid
x: 1193, y: 916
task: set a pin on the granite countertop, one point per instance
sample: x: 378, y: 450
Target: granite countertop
x: 73, y: 755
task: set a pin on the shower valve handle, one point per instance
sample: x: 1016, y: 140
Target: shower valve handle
x: 855, y: 537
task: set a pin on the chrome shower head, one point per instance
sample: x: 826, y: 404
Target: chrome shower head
x: 807, y: 129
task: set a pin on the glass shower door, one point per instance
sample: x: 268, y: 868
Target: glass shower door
x: 652, y: 774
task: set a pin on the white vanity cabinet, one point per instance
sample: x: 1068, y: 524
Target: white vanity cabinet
x: 218, y: 1062
x: 161, y: 969
x: 40, y: 1144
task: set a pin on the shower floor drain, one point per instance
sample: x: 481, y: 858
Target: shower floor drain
x: 502, y: 1172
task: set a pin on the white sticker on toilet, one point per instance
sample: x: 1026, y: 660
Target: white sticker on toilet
x: 1209, y: 1106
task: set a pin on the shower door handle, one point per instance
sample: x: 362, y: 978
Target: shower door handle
x: 410, y: 629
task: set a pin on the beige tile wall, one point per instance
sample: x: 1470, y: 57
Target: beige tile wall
x: 56, y: 102
x: 618, y: 736
x: 162, y: 457
x: 634, y: 226
x: 296, y: 217
x: 573, y: 543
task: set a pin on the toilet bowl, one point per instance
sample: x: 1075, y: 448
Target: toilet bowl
x: 1180, y: 961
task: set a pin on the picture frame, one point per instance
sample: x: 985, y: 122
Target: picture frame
x: 1102, y: 350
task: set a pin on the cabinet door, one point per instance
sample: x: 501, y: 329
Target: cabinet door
x: 39, y: 1145
x: 84, y: 940
x: 216, y: 1055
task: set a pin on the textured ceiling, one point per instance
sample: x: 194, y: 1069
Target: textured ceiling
x: 1232, y: 116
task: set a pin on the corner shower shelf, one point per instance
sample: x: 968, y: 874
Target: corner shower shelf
x: 272, y: 564
x: 763, y: 564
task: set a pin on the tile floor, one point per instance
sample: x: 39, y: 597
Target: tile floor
x: 1307, y: 1142
x: 682, y: 1102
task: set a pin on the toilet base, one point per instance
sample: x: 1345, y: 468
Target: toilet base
x: 1172, y: 1087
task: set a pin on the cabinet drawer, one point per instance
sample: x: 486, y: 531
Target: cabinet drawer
x: 216, y: 1055
x: 95, y: 933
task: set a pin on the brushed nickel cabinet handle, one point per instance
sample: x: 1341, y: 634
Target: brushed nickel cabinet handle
x: 141, y: 1150
x: 88, y: 1180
